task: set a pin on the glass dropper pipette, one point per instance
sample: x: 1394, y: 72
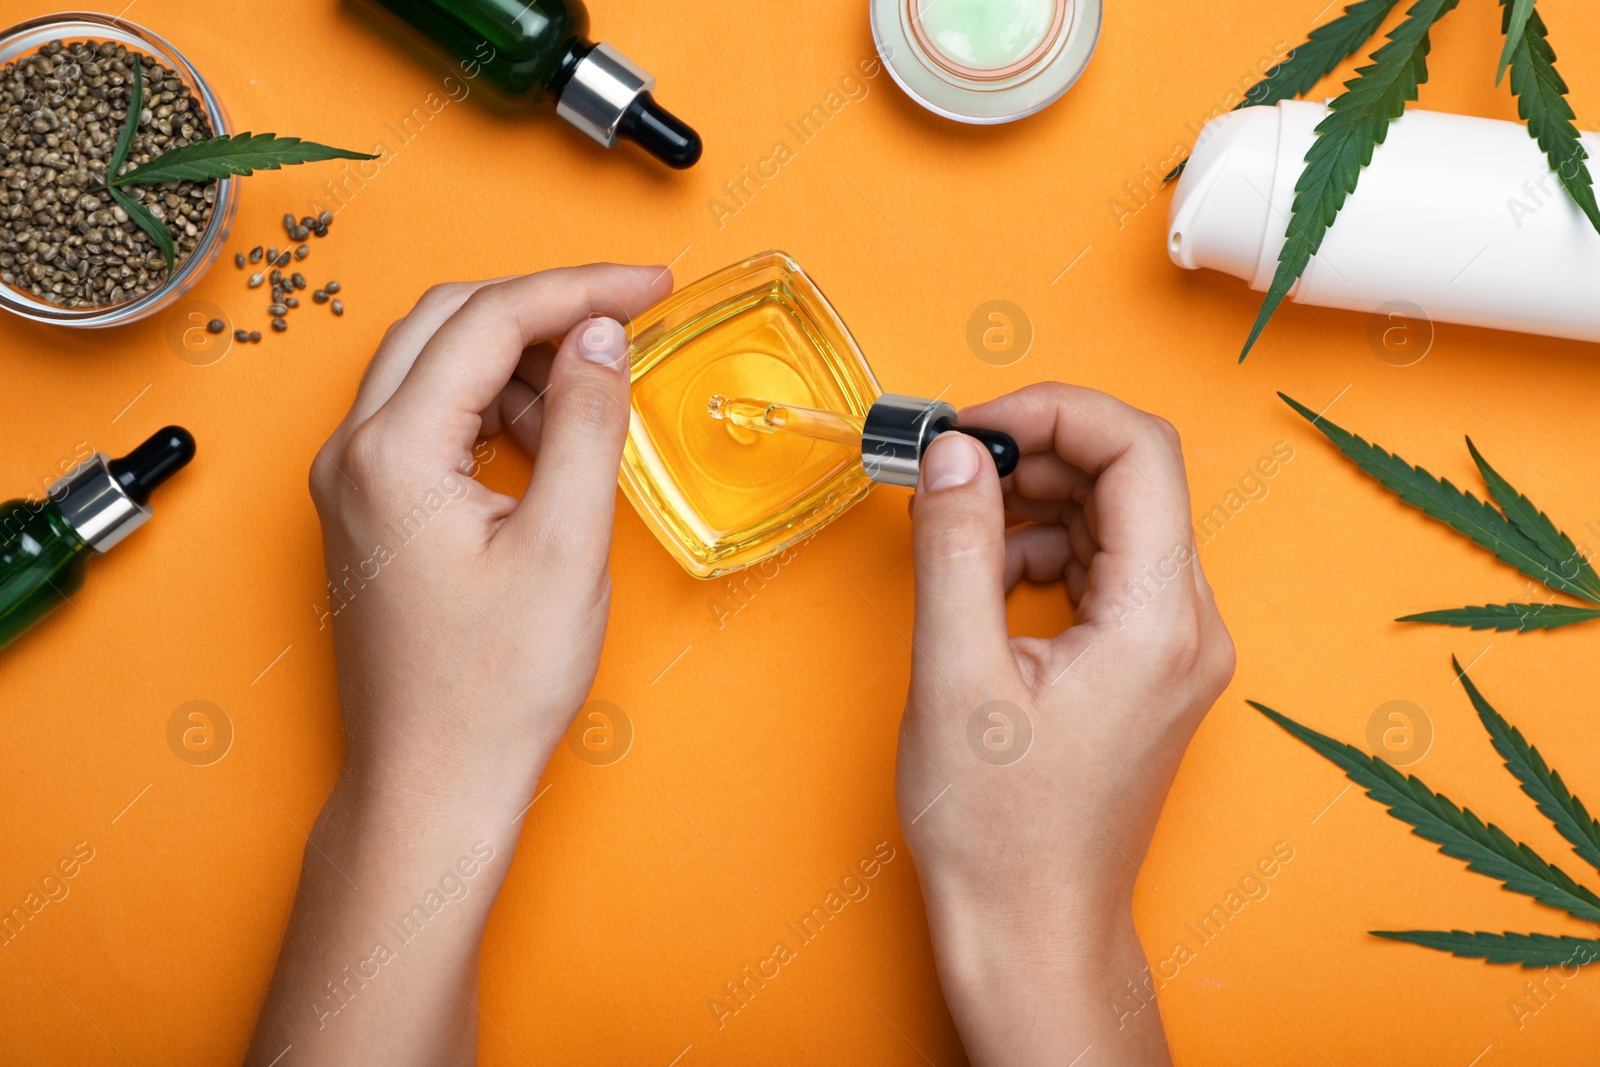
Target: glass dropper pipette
x: 751, y: 414
x: 890, y: 438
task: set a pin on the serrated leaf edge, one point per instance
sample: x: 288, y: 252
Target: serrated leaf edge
x: 1509, y: 544
x: 1399, y: 67
x: 1485, y: 848
x: 1543, y: 785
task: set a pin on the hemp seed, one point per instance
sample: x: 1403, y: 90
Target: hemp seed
x: 62, y: 111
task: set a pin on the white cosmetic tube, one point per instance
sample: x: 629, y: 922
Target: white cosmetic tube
x: 1460, y: 216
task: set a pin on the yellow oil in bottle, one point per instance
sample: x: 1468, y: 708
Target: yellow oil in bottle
x: 719, y: 495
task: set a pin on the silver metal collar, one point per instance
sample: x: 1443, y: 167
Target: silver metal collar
x: 898, y: 429
x: 603, y: 84
x: 95, y: 505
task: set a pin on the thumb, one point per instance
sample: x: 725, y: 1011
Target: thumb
x: 959, y: 550
x: 571, y: 498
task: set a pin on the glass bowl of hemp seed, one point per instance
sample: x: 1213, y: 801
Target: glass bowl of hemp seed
x: 68, y: 253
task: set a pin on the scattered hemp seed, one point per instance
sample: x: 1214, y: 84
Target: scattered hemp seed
x: 238, y: 260
x: 286, y: 284
x: 241, y: 336
x: 216, y: 326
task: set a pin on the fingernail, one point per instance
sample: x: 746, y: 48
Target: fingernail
x: 950, y: 461
x: 603, y: 341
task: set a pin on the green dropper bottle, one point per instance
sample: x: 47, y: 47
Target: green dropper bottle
x: 539, y: 48
x: 45, y: 545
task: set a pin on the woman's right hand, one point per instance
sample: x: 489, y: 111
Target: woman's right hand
x: 1031, y: 771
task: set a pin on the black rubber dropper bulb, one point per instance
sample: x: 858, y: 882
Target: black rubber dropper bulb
x: 660, y: 132
x: 1002, y: 449
x: 159, y: 458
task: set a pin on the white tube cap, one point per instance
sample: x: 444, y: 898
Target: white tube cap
x: 1221, y: 209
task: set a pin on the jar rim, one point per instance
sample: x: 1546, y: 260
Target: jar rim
x: 985, y: 97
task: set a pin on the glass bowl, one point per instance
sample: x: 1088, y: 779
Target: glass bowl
x: 720, y: 498
x: 28, y: 37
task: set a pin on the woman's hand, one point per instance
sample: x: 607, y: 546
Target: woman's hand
x: 468, y: 624
x: 467, y: 628
x: 1031, y: 771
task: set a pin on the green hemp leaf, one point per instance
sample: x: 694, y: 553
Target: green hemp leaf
x: 214, y: 158
x: 1486, y: 849
x: 1517, y: 533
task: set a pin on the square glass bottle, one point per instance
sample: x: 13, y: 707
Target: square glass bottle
x: 721, y: 497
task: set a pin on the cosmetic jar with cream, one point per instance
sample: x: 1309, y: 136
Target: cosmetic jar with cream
x: 985, y: 61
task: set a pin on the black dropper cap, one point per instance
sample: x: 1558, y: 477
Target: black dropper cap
x: 660, y: 132
x: 159, y: 458
x: 1002, y: 449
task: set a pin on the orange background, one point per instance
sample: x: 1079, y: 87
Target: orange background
x: 761, y: 767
